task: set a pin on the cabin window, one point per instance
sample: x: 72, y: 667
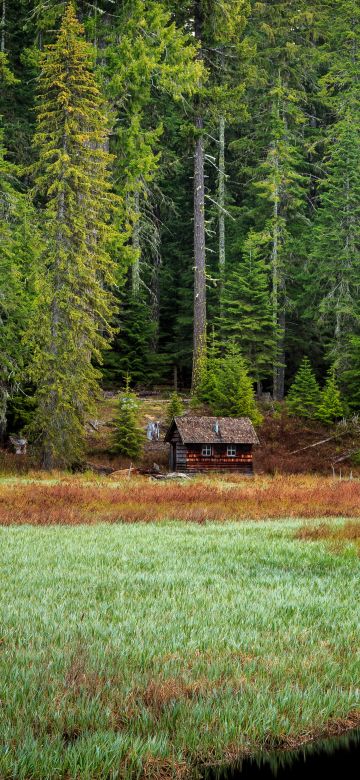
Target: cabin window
x: 231, y: 451
x: 206, y: 450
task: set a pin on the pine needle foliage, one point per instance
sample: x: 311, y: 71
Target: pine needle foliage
x: 351, y: 377
x: 175, y: 407
x: 225, y: 386
x: 205, y: 389
x: 128, y: 436
x: 16, y: 253
x: 247, y: 317
x: 234, y: 396
x: 304, y: 396
x: 72, y: 188
x: 331, y: 407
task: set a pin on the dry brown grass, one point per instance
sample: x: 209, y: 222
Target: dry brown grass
x: 74, y: 502
x: 337, y: 535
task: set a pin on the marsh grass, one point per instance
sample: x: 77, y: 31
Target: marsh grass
x: 150, y: 650
x: 339, y: 536
x: 68, y: 501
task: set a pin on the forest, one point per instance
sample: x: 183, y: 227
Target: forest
x: 179, y: 205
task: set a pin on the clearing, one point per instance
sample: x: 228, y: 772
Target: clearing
x: 150, y: 650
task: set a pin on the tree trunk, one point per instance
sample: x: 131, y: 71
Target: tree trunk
x: 47, y: 455
x: 199, y: 222
x: 155, y: 278
x: 4, y: 395
x: 136, y: 246
x: 278, y: 294
x: 280, y: 377
x: 199, y: 253
x: 3, y: 27
x: 221, y: 200
x: 275, y: 284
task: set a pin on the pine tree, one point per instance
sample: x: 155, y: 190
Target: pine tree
x: 271, y: 153
x: 247, y: 317
x: 17, y: 238
x: 350, y: 377
x: 331, y: 407
x: 304, y: 397
x: 131, y: 349
x: 72, y: 188
x: 206, y: 387
x: 175, y: 407
x: 336, y: 237
x: 234, y: 395
x: 128, y: 436
x: 144, y: 56
x: 281, y: 186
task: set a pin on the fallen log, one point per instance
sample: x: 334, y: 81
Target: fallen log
x: 317, y: 443
x: 345, y: 456
x: 171, y: 475
x: 121, y: 473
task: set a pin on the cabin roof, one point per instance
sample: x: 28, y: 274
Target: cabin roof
x: 202, y: 430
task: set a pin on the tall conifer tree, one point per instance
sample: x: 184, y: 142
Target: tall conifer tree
x: 247, y: 317
x: 16, y: 249
x: 336, y: 237
x: 72, y: 188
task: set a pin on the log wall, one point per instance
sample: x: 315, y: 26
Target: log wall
x: 193, y: 460
x: 180, y: 453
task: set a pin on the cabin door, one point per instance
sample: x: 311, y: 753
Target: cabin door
x: 173, y: 457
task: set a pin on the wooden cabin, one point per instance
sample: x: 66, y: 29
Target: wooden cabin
x: 211, y: 444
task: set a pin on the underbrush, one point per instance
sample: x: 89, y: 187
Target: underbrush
x: 75, y: 501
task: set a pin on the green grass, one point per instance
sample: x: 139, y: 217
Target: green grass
x: 144, y: 651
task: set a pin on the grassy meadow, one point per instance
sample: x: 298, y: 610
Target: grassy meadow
x: 149, y: 650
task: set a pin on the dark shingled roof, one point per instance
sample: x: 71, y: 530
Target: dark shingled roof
x: 201, y: 430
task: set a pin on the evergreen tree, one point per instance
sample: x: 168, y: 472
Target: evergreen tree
x: 72, y: 188
x: 247, y: 317
x: 234, y: 396
x: 270, y: 97
x: 304, y: 397
x: 131, y: 350
x: 175, y: 408
x: 16, y: 253
x: 336, y: 239
x: 272, y: 153
x: 331, y: 407
x: 206, y: 388
x: 144, y: 55
x: 350, y: 377
x: 128, y: 435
